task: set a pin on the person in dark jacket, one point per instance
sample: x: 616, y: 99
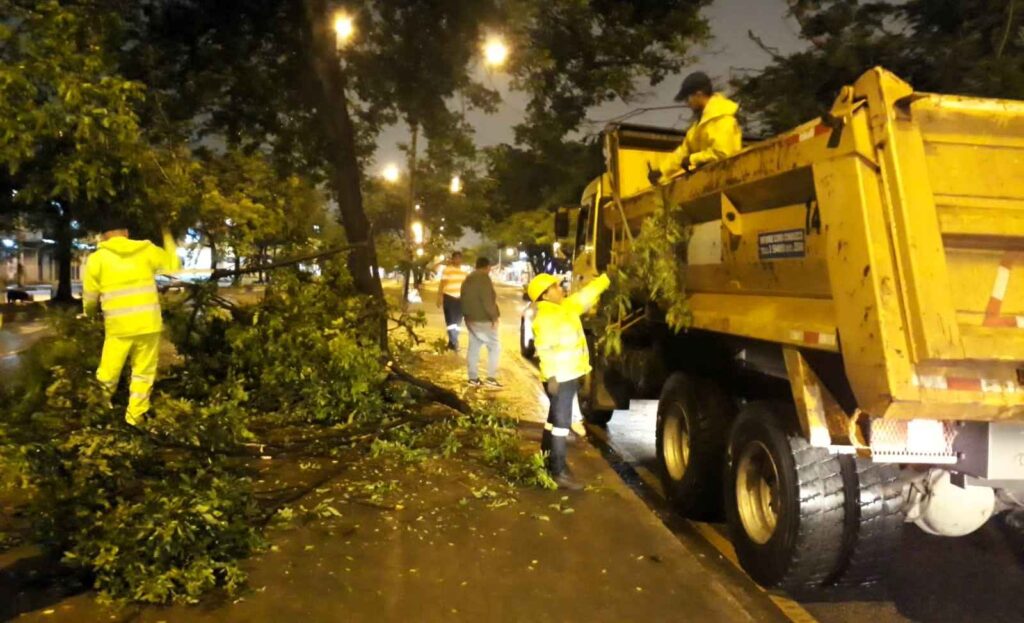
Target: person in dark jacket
x: 480, y: 309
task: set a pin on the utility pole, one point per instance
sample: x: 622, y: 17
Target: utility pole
x: 414, y: 130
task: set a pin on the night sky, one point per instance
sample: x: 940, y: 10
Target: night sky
x: 730, y: 51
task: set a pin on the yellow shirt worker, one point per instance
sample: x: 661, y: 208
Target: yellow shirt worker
x: 714, y: 136
x: 564, y: 359
x: 120, y: 277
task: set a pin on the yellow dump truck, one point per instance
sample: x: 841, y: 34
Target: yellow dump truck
x: 856, y: 354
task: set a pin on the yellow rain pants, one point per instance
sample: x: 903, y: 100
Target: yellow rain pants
x: 144, y: 351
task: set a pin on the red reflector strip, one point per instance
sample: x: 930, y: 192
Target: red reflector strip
x: 995, y: 301
x: 814, y: 338
x: 807, y: 135
x: 961, y: 384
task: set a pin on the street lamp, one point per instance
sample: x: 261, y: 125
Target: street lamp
x: 417, y: 232
x: 391, y: 173
x: 495, y: 51
x: 456, y: 185
x: 511, y: 252
x: 344, y: 28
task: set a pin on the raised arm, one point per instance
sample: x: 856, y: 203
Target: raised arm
x: 583, y: 300
x: 166, y: 261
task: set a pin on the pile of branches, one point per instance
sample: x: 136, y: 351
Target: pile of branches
x: 651, y: 276
x: 166, y: 512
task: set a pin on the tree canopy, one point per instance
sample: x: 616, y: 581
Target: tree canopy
x: 973, y: 47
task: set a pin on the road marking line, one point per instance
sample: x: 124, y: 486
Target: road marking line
x: 789, y: 608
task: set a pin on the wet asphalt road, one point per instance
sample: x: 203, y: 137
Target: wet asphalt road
x: 15, y: 338
x: 979, y: 577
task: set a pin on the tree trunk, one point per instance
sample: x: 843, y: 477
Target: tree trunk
x: 213, y: 252
x: 238, y: 266
x: 332, y: 106
x: 64, y: 255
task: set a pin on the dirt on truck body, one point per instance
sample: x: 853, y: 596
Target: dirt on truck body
x: 856, y: 353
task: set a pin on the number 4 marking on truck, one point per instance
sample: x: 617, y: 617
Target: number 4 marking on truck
x: 813, y: 220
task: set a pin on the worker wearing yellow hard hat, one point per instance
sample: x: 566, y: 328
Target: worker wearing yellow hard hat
x: 564, y: 356
x: 120, y: 277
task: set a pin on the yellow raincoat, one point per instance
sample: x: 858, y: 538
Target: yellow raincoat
x: 121, y: 278
x: 558, y: 333
x: 715, y: 137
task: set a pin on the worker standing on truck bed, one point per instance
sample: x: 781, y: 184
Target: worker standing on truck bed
x: 714, y: 136
x: 120, y: 276
x: 564, y: 359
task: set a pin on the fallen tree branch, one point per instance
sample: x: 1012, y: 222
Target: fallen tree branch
x: 292, y: 261
x: 435, y: 392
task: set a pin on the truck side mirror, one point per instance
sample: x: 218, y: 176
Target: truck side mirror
x: 562, y: 223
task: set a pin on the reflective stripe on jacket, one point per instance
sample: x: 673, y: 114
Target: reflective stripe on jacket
x: 715, y: 137
x: 558, y: 333
x: 121, y: 278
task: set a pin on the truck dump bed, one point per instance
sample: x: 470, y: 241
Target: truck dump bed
x: 891, y: 232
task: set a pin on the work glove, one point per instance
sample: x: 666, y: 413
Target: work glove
x: 654, y: 176
x: 552, y: 386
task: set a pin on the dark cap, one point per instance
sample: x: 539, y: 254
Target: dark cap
x: 697, y: 81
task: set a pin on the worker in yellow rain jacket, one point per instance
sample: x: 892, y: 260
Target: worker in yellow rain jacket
x: 564, y: 359
x: 714, y: 136
x: 120, y: 276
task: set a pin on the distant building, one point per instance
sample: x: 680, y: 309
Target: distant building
x: 28, y: 261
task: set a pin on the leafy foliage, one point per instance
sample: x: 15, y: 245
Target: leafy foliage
x: 305, y: 353
x: 152, y: 519
x: 945, y: 46
x: 654, y: 273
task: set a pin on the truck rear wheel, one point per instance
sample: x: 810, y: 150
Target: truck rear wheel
x: 784, y: 502
x: 873, y: 525
x: 692, y: 432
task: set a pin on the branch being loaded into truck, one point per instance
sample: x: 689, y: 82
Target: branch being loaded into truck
x: 854, y: 351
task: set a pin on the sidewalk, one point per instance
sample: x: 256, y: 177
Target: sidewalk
x: 455, y: 547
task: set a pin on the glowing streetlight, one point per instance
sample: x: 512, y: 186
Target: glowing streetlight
x: 456, y: 186
x: 419, y: 252
x: 391, y: 173
x: 496, y: 52
x: 344, y: 28
x: 556, y: 246
x: 417, y: 232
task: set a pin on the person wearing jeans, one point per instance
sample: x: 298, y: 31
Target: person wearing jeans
x: 449, y: 291
x: 480, y: 309
x: 483, y: 334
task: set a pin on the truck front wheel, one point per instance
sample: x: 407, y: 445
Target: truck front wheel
x: 692, y: 431
x: 785, y: 502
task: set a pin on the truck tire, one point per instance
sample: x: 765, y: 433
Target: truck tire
x: 692, y: 431
x: 526, y: 347
x: 873, y: 525
x: 597, y: 417
x: 784, y: 502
